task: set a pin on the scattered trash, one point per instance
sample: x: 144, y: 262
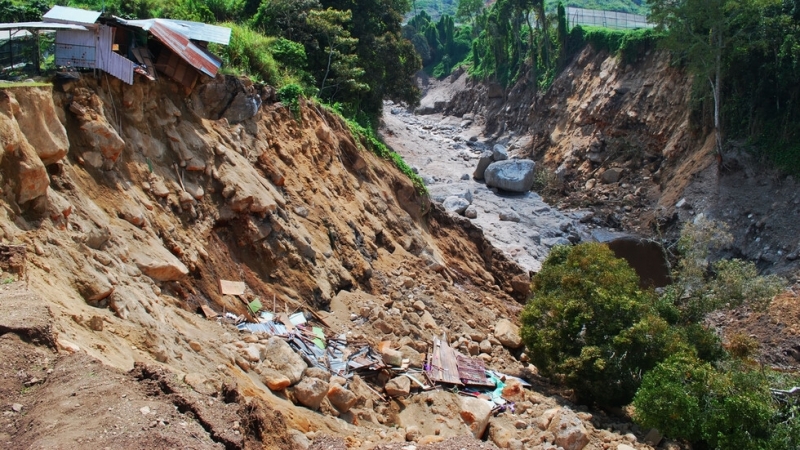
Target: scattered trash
x: 445, y: 367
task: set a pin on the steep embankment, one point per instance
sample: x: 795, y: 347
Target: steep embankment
x: 622, y: 138
x: 133, y: 202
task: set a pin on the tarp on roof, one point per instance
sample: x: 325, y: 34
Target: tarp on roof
x: 173, y: 37
x: 65, y: 14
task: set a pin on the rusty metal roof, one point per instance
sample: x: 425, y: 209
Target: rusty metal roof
x: 196, y: 31
x: 197, y: 57
x: 65, y: 14
x: 174, y: 36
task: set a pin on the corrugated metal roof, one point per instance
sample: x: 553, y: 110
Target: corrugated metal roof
x: 196, y: 56
x: 197, y: 31
x: 200, y: 31
x: 65, y: 14
x: 40, y: 26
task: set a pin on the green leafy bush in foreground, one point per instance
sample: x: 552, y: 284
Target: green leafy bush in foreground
x: 591, y: 326
x: 727, y: 406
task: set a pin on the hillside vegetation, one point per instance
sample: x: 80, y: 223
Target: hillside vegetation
x: 343, y: 52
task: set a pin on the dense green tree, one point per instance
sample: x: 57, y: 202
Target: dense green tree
x: 22, y: 11
x: 388, y: 58
x: 590, y: 325
x: 468, y: 9
x: 728, y: 406
x: 706, y: 33
x: 342, y: 73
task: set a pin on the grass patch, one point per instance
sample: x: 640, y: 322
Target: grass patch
x: 24, y: 84
x: 368, y: 138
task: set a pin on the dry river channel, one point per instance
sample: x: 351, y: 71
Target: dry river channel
x: 444, y: 150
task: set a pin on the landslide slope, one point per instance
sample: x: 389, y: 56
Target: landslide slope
x: 133, y: 202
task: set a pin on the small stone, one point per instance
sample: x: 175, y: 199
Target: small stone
x: 341, y: 398
x: 413, y: 434
x: 145, y: 410
x: 509, y: 216
x: 392, y: 357
x: 612, y: 175
x: 471, y: 212
x: 508, y: 334
x: 96, y: 323
x: 16, y: 407
x: 274, y: 380
x: 195, y: 346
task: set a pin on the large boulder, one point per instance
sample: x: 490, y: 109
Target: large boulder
x: 569, y: 432
x: 159, y: 264
x: 310, y: 392
x: 274, y: 380
x: 476, y: 412
x: 611, y: 175
x: 483, y: 162
x: 281, y: 358
x: 507, y: 333
x: 515, y: 175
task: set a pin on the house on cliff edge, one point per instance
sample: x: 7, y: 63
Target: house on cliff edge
x: 119, y: 47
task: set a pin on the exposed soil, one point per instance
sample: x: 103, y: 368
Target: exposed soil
x: 133, y: 202
x: 776, y: 330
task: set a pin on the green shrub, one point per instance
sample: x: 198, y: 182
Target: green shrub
x: 589, y: 325
x: 249, y: 53
x: 628, y: 44
x: 701, y: 286
x: 289, y: 53
x: 290, y: 95
x: 367, y: 137
x: 728, y: 408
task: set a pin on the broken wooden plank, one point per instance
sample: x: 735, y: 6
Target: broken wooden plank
x: 227, y: 287
x: 443, y: 368
x: 208, y: 312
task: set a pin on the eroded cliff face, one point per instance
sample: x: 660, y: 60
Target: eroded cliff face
x: 601, y: 114
x: 621, y: 139
x: 135, y: 201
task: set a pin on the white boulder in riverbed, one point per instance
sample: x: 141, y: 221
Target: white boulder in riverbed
x: 515, y: 175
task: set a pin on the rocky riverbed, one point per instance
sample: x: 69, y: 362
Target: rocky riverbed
x: 445, y: 151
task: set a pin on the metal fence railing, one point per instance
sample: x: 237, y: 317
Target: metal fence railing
x: 607, y: 19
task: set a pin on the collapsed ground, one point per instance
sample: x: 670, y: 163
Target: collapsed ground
x: 132, y: 203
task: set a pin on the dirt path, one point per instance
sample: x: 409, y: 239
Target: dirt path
x: 445, y: 150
